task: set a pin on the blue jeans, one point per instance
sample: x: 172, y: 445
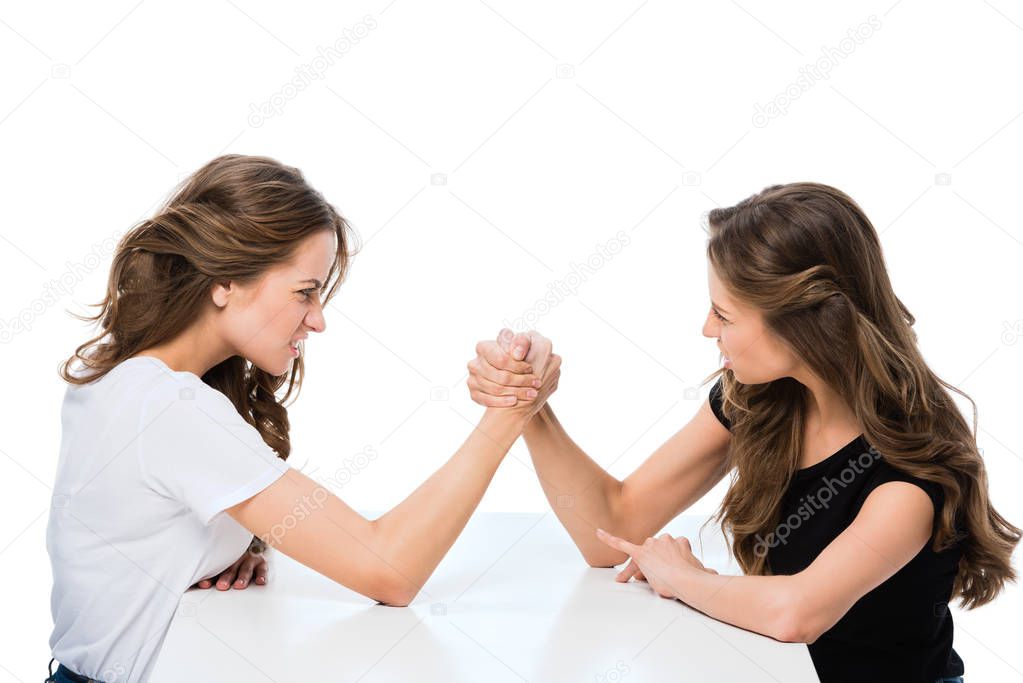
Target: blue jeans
x: 66, y: 675
x: 954, y: 679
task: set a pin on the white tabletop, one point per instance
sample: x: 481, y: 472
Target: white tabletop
x: 513, y: 601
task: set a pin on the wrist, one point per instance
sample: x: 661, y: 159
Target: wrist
x: 504, y: 421
x: 539, y: 420
x: 681, y: 579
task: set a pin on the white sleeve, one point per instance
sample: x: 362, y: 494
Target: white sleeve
x: 194, y: 447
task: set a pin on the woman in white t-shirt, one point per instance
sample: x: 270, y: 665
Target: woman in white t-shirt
x: 173, y: 416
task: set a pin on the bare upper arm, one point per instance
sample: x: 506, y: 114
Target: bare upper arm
x: 675, y: 476
x: 892, y: 526
x: 308, y: 523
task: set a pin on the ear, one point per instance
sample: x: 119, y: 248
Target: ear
x: 221, y: 292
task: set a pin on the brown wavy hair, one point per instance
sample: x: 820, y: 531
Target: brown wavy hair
x: 231, y: 220
x: 808, y: 258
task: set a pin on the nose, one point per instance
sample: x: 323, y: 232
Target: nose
x: 711, y: 327
x: 315, y: 320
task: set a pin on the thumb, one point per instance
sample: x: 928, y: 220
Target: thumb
x: 520, y: 346
x: 504, y: 339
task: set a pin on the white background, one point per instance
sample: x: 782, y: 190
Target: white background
x: 483, y: 151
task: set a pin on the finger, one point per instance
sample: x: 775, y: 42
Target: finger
x: 630, y: 571
x: 245, y: 571
x: 504, y: 338
x: 686, y: 550
x: 520, y: 346
x: 618, y: 543
x: 494, y: 389
x: 552, y: 368
x: 550, y: 380
x: 500, y: 360
x: 205, y: 583
x: 539, y: 353
x: 516, y: 345
x: 262, y: 572
x: 669, y: 543
x: 227, y: 576
x: 485, y: 399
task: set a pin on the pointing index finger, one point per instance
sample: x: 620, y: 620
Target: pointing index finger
x: 617, y: 543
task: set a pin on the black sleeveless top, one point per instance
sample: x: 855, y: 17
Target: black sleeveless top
x: 901, y: 630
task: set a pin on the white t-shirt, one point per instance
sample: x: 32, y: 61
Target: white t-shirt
x: 149, y: 459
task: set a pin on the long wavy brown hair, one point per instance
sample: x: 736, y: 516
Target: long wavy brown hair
x: 808, y: 258
x: 231, y: 220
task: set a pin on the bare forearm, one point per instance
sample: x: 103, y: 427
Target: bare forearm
x: 417, y: 533
x: 581, y: 492
x: 763, y: 604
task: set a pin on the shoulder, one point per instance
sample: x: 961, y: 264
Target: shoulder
x: 178, y: 396
x: 884, y: 472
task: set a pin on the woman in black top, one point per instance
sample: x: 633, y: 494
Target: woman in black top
x: 858, y: 504
x: 903, y: 626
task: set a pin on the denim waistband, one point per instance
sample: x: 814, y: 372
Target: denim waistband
x: 65, y: 674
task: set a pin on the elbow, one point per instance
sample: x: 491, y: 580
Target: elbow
x: 796, y: 618
x: 789, y: 630
x: 604, y: 560
x: 395, y: 597
x: 396, y: 600
x: 394, y: 592
x: 795, y: 625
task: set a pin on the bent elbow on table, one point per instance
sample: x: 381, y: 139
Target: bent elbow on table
x: 393, y: 593
x: 796, y: 618
x: 298, y: 517
x: 604, y: 559
x: 793, y: 627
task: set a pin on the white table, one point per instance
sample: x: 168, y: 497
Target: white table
x: 513, y: 601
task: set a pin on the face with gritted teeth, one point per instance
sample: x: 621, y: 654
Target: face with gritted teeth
x: 753, y: 352
x: 282, y: 306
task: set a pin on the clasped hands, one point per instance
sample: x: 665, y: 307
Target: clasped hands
x: 522, y: 371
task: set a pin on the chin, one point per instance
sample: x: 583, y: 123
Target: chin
x: 273, y: 369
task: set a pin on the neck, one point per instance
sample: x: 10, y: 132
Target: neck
x: 190, y: 351
x: 826, y: 409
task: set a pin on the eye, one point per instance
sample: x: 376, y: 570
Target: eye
x: 306, y: 293
x: 718, y: 315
